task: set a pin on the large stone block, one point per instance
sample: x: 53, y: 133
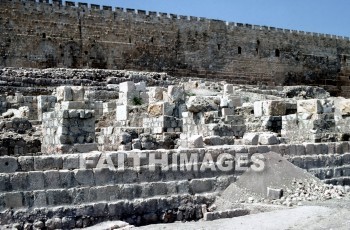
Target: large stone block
x: 78, y: 93
x: 227, y: 112
x: 343, y: 107
x: 258, y: 109
x: 84, y: 177
x: 201, y: 185
x: 39, y: 199
x: 19, y: 181
x: 13, y: 200
x: 42, y: 163
x: 71, y: 161
x: 155, y: 94
x: 103, y: 176
x: 309, y: 106
x: 26, y: 163
x: 67, y: 105
x: 5, y: 184
x: 156, y: 109
x: 67, y: 179
x: 127, y: 86
x: 228, y: 89
x: 175, y: 93
x: 269, y: 108
x: 64, y: 93
x: 251, y: 138
x: 274, y: 108
x: 268, y: 139
x: 36, y: 180
x: 58, y: 197
x: 8, y: 164
x: 122, y: 112
x: 52, y: 179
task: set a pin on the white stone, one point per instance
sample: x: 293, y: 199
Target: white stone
x: 122, y: 113
x: 64, y: 93
x: 274, y: 108
x: 251, y: 138
x: 140, y: 86
x: 268, y: 139
x: 175, y: 93
x: 228, y: 89
x: 309, y: 106
x: 155, y: 94
x: 127, y: 86
x: 258, y: 109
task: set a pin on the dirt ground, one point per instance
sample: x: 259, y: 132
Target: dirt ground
x: 331, y: 214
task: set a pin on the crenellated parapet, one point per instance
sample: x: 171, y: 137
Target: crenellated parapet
x: 91, y: 8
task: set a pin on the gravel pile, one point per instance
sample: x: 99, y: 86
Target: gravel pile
x: 297, y: 186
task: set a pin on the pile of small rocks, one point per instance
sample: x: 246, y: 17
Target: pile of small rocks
x: 304, y: 191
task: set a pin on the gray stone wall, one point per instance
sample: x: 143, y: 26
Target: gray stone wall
x: 79, y: 37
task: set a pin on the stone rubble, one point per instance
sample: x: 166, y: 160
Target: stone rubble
x: 44, y: 133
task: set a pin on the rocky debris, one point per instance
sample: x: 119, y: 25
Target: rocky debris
x: 202, y: 104
x: 302, y: 191
x: 280, y: 183
x: 195, y: 116
x: 305, y: 92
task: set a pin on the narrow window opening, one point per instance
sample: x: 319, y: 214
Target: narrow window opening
x: 152, y: 39
x: 219, y: 46
x: 277, y: 53
x: 257, y: 51
x: 44, y: 35
x: 129, y: 39
x: 258, y: 42
x: 239, y: 50
x: 344, y: 58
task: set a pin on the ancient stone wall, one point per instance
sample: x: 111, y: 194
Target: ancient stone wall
x: 78, y: 36
x: 62, y: 180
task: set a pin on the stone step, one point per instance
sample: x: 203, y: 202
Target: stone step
x: 9, y: 164
x: 321, y: 161
x: 96, y: 212
x: 81, y: 195
x: 331, y: 172
x: 56, y: 179
x: 338, y: 181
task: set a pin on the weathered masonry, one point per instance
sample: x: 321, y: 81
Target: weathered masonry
x: 45, y: 33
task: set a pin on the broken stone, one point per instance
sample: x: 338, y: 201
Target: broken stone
x: 195, y: 141
x: 268, y: 139
x: 251, y: 139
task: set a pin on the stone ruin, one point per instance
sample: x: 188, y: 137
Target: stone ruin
x: 57, y: 149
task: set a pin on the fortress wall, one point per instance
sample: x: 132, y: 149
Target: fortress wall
x: 42, y: 35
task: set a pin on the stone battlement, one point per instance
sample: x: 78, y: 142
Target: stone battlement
x: 79, y: 35
x: 105, y: 10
